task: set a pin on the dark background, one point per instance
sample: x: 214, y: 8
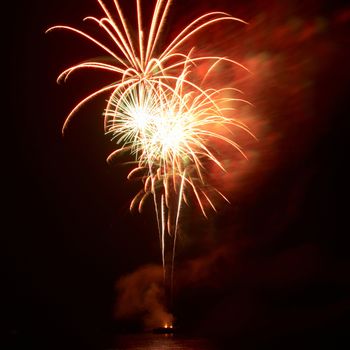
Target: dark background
x: 277, y: 261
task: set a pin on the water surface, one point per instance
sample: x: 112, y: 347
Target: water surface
x: 151, y: 341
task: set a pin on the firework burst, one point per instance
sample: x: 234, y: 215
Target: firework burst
x: 158, y: 111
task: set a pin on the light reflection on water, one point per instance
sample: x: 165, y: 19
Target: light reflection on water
x: 160, y: 342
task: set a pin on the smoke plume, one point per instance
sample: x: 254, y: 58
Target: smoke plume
x: 141, y: 296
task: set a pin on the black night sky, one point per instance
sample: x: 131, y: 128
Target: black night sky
x: 272, y: 269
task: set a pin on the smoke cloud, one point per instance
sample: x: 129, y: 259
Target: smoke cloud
x: 141, y: 296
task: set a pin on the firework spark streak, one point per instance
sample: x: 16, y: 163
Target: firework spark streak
x: 160, y: 112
